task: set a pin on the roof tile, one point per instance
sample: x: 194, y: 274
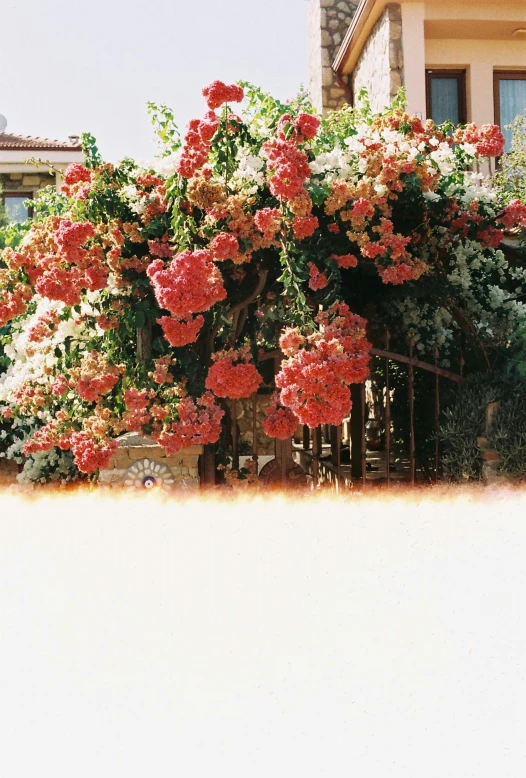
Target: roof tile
x: 25, y: 142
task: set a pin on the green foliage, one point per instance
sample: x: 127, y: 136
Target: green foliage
x: 508, y: 433
x: 166, y: 129
x: 510, y: 178
x: 463, y: 421
x: 91, y: 152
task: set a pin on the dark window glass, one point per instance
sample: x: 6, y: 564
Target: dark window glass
x: 446, y: 96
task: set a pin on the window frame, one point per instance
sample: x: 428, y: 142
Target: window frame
x: 26, y: 195
x: 503, y: 75
x: 460, y: 75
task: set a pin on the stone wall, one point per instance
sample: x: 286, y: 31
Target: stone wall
x: 141, y: 463
x: 329, y: 20
x: 30, y: 182
x: 380, y: 67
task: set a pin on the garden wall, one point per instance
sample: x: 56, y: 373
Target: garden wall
x: 141, y: 463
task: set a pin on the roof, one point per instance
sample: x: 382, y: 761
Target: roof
x: 27, y: 143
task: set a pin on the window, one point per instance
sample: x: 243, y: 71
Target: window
x: 15, y: 209
x: 446, y: 96
x: 509, y: 91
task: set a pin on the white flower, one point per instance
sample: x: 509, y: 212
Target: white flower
x: 167, y: 166
x: 430, y: 195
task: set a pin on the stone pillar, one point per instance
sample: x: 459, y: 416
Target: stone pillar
x: 380, y: 66
x: 328, y: 22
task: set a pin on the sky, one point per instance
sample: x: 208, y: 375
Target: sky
x: 71, y: 67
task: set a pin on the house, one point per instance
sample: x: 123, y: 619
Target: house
x: 463, y: 60
x: 20, y: 181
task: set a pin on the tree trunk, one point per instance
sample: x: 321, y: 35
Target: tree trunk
x: 356, y: 431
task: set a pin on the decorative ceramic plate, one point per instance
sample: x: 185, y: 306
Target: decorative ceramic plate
x: 147, y: 474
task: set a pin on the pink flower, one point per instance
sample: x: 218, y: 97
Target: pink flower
x: 224, y: 246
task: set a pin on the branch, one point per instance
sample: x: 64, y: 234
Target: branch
x: 470, y: 331
x: 250, y: 299
x: 238, y: 307
x: 378, y: 352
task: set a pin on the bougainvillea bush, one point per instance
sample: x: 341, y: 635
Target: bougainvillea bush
x: 143, y: 299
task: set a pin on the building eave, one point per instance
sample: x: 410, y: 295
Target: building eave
x: 358, y: 22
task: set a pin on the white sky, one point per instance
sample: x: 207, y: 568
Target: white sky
x: 70, y: 67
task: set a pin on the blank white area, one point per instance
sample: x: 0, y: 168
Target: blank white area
x: 358, y: 638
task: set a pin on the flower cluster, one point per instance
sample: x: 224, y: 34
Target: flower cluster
x: 279, y: 422
x: 199, y: 423
x: 232, y: 374
x: 77, y: 181
x: 191, y: 283
x: 486, y: 141
x: 314, y: 380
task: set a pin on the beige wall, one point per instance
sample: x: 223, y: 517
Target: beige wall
x: 476, y: 35
x: 480, y: 58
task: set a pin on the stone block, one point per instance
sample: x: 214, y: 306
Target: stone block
x: 325, y: 59
x: 395, y: 81
x: 325, y: 38
x: 30, y: 180
x: 333, y: 24
x: 395, y: 31
x: 120, y: 460
x: 140, y: 452
x: 173, y: 461
x: 15, y: 176
x: 327, y: 77
x: 111, y: 476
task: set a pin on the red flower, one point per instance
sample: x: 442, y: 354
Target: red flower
x: 317, y: 280
x: 224, y: 246
x: 513, y: 215
x: 217, y: 93
x: 304, y: 226
x: 180, y: 332
x: 268, y: 221
x: 344, y: 260
x: 232, y: 375
x: 190, y: 284
x: 307, y: 125
x: 89, y: 454
x: 280, y: 422
x: 313, y: 381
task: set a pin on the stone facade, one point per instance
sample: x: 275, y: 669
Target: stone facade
x: 328, y: 23
x: 25, y: 183
x: 143, y: 463
x: 380, y: 67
